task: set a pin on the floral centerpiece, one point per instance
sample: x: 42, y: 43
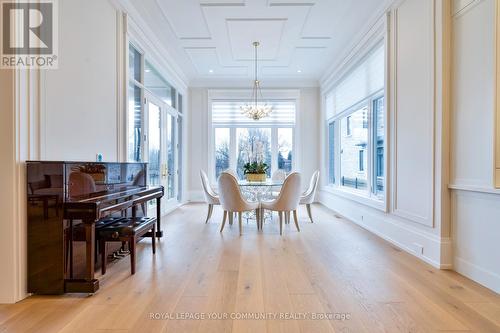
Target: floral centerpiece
x: 255, y: 169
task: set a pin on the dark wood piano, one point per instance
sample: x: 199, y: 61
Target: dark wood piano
x: 65, y: 202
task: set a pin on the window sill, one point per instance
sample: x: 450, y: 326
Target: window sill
x: 356, y: 196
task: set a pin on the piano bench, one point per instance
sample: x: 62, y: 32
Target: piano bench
x: 127, y: 229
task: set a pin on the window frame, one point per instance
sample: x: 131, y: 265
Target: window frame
x: 214, y: 95
x: 368, y: 196
x: 233, y: 146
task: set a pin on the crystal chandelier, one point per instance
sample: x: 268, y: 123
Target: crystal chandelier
x: 253, y: 109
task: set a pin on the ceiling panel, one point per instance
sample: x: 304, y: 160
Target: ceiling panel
x: 299, y: 38
x: 243, y: 32
x: 206, y: 62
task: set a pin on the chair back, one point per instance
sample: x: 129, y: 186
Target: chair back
x: 279, y: 175
x: 231, y: 172
x: 230, y: 194
x: 308, y: 196
x: 208, y: 192
x: 289, y: 196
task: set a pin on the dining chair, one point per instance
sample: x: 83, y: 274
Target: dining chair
x: 287, y: 200
x: 307, y: 198
x: 211, y: 197
x: 232, y: 173
x: 232, y: 200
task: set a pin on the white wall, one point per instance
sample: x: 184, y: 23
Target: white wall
x: 412, y: 216
x: 475, y: 204
x: 307, y: 127
x: 79, y: 115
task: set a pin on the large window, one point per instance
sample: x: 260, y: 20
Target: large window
x: 356, y: 128
x: 237, y: 139
x: 353, y: 142
x: 154, y: 123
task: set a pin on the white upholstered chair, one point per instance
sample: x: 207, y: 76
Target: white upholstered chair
x: 232, y: 201
x: 231, y: 172
x: 307, y: 198
x: 211, y: 198
x: 287, y: 200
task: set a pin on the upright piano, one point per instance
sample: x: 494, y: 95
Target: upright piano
x: 65, y: 202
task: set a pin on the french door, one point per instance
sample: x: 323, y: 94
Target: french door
x: 161, y: 150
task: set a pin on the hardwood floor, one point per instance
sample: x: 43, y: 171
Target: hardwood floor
x: 330, y: 267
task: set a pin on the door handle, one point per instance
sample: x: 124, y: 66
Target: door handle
x: 164, y: 171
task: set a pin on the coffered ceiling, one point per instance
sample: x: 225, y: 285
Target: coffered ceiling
x: 211, y: 40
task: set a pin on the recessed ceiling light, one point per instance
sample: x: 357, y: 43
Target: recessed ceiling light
x: 299, y: 71
x: 210, y: 71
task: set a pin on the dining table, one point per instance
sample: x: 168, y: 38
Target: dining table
x: 258, y: 192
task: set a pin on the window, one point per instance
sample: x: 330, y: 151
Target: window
x: 154, y: 82
x: 154, y: 132
x: 221, y: 150
x: 361, y: 160
x: 378, y: 145
x: 285, y: 149
x: 356, y: 128
x: 352, y: 143
x: 135, y: 106
x: 238, y: 139
x: 331, y: 152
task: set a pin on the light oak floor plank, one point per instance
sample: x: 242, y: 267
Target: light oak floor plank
x: 331, y: 268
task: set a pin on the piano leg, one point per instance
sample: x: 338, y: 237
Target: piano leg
x: 90, y: 248
x: 159, y: 232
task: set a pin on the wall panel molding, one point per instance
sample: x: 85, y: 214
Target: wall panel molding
x: 413, y: 161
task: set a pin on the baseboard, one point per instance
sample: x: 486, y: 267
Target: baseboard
x: 482, y: 276
x: 391, y: 229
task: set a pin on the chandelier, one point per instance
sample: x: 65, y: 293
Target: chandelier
x: 254, y: 109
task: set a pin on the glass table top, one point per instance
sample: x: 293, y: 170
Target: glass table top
x: 268, y: 182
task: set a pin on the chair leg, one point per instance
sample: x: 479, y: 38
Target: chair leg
x: 153, y: 239
x: 280, y: 214
x: 224, y: 219
x: 257, y: 218
x: 131, y: 245
x: 208, y: 213
x: 308, y: 206
x: 231, y: 217
x: 296, y: 220
x: 211, y: 210
x: 287, y: 217
x: 240, y: 222
x: 102, y: 245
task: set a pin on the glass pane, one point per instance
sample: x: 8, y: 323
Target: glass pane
x: 353, y: 143
x: 134, y: 63
x: 254, y: 144
x: 179, y: 154
x: 285, y: 147
x: 134, y: 140
x: 157, y: 85
x: 179, y: 101
x: 171, y: 155
x: 379, y: 146
x: 221, y: 150
x: 154, y: 139
x: 331, y: 153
